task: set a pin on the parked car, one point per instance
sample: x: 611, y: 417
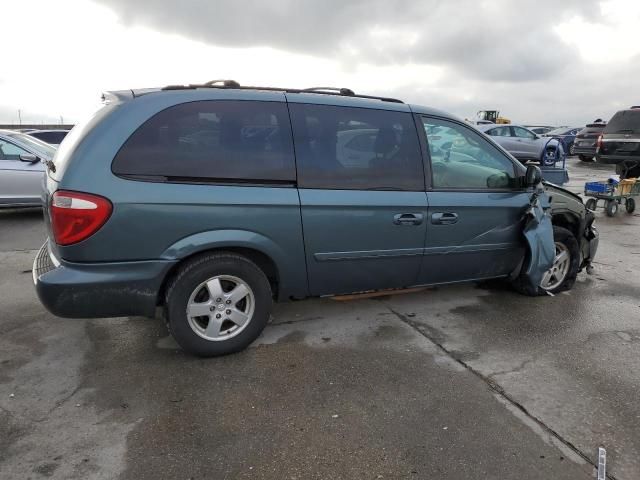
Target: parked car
x: 619, y: 143
x: 585, y: 143
x: 539, y: 129
x: 52, y: 137
x: 522, y: 143
x: 222, y: 215
x: 21, y: 169
x: 567, y: 135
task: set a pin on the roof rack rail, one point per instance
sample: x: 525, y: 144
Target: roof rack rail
x: 344, y: 92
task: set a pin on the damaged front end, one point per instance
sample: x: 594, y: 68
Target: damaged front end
x: 538, y: 232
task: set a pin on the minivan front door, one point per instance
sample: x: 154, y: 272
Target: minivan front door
x: 20, y: 181
x: 364, y: 218
x: 474, y: 228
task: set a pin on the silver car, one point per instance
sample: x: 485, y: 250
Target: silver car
x: 22, y: 169
x: 522, y: 143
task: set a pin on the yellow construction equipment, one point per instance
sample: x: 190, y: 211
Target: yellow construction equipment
x: 492, y: 116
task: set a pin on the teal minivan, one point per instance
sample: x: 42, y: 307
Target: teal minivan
x: 214, y: 200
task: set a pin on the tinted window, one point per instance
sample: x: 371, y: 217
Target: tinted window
x: 50, y: 137
x: 626, y: 121
x: 9, y: 151
x: 460, y: 158
x: 356, y: 148
x: 523, y: 133
x: 226, y: 140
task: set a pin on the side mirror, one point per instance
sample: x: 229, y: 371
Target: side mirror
x: 533, y: 176
x: 29, y: 158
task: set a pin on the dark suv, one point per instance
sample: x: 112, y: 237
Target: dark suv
x: 619, y: 143
x: 214, y: 200
x: 585, y: 143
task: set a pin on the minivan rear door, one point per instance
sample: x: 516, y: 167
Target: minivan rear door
x: 364, y: 215
x: 474, y: 222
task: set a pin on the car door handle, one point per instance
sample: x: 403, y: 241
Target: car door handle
x: 408, y: 219
x: 444, y: 218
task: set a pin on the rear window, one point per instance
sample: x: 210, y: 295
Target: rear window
x: 222, y: 140
x: 625, y: 121
x: 356, y: 148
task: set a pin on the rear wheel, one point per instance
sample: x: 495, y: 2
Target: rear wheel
x: 630, y: 205
x: 218, y: 304
x: 612, y: 208
x: 571, y: 150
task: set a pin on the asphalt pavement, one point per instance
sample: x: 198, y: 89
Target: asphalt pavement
x: 470, y: 381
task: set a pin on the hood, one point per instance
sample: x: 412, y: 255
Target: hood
x: 556, y: 188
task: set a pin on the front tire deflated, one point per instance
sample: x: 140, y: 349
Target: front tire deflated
x: 218, y: 303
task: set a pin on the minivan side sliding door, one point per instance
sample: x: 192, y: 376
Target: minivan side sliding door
x: 362, y: 198
x: 474, y: 227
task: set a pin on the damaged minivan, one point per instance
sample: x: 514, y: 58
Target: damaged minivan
x: 213, y: 200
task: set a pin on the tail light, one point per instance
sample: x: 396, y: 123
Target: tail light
x: 598, y: 143
x: 76, y: 216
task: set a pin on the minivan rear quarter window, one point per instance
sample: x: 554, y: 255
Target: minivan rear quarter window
x: 219, y: 140
x: 356, y: 148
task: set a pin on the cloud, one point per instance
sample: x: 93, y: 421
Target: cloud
x: 536, y: 61
x: 498, y: 41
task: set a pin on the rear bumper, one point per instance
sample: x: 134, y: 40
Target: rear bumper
x: 97, y: 290
x: 589, y: 151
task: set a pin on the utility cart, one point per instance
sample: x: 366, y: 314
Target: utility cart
x: 613, y: 194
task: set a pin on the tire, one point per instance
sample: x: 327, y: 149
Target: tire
x: 585, y: 158
x: 547, y: 162
x: 591, y: 204
x: 633, y: 172
x: 630, y: 205
x: 193, y: 285
x: 569, y: 243
x: 612, y: 208
x: 571, y: 150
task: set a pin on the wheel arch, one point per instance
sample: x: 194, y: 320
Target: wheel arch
x: 569, y: 221
x: 287, y: 277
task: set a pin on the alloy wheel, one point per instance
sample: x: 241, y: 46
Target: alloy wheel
x: 554, y: 277
x: 220, y: 307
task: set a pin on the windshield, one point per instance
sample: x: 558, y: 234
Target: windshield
x: 39, y: 146
x: 626, y: 121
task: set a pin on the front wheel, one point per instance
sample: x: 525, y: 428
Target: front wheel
x: 572, y: 150
x: 217, y: 304
x: 612, y: 208
x: 562, y: 274
x: 585, y: 158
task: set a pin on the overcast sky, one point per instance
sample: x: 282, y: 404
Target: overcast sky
x: 543, y: 62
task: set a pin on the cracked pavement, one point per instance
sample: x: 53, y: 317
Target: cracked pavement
x: 470, y: 381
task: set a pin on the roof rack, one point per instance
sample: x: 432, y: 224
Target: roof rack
x: 343, y: 92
